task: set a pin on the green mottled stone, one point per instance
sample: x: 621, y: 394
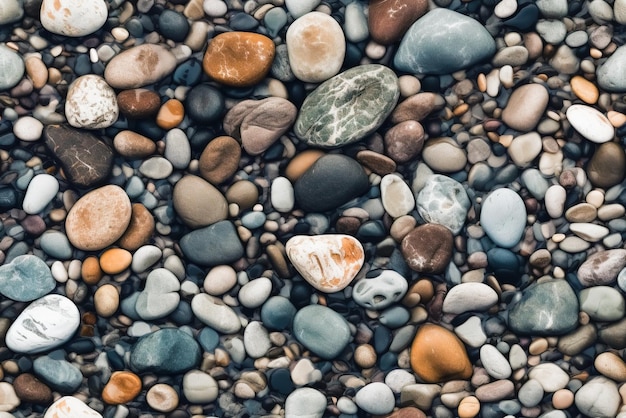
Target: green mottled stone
x: 348, y: 107
x: 166, y: 351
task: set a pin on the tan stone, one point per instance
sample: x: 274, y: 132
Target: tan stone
x: 301, y: 162
x: 243, y: 193
x: 139, y: 66
x: 525, y: 107
x: 469, y: 407
x: 437, y: 355
x: 328, y: 262
x: 37, y: 71
x: 417, y: 107
x: 171, y: 114
x: 91, y: 271
x: 562, y: 399
x: 219, y: 159
x: 115, y: 260
x: 106, y: 300
x: 162, y: 398
x: 584, y: 89
x: 611, y: 365
x: 121, y: 388
x: 130, y: 144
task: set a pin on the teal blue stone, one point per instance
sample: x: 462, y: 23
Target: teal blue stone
x: 60, y: 375
x: 166, y: 351
x: 56, y: 245
x: 442, y: 42
x: 26, y: 278
x: 275, y: 19
x: 321, y: 330
x: 212, y: 245
x: 277, y: 313
x: 546, y: 308
x: 209, y: 339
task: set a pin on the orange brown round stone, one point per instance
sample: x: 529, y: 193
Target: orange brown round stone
x: 239, y: 59
x: 91, y: 271
x: 122, y: 388
x: 138, y: 103
x: 115, y: 260
x: 171, y: 114
x: 140, y: 228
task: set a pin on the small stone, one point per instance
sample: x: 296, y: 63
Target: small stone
x: 282, y: 194
x: 198, y: 203
x: 531, y: 393
x: 444, y: 155
x: 443, y: 201
x: 469, y: 407
x: 214, y: 313
x: 379, y: 289
x: 59, y: 374
x: 99, y: 218
x: 70, y: 407
x: 106, y: 300
x: 138, y: 103
x: 73, y: 17
x: 204, y: 104
x: 503, y: 217
x: 471, y: 332
x: 611, y: 73
x: 525, y: 148
x: 219, y: 159
x: 375, y: 162
x: 396, y: 196
x: 171, y: 114
x: 469, y: 296
x: 159, y: 297
x: 238, y: 59
x: 602, y: 268
x: 327, y: 262
x: 11, y: 67
x: 122, y: 387
x: 115, y: 260
x: 139, y: 66
x: 11, y: 11
x: 584, y: 89
x: 162, y: 398
x: 28, y: 129
x: 177, y: 149
x: 305, y: 402
x: 58, y: 319
x: 590, y: 123
x: 525, y: 107
x: 91, y: 103
x: 598, y: 397
x: 166, y: 351
x: 375, y: 398
x: 199, y: 387
x: 132, y: 145
x: 437, y: 355
x: 212, y: 245
x: 321, y: 330
x: 302, y: 162
x: 140, y: 228
x: 428, y: 248
x: 254, y: 293
x: 316, y: 46
x: 389, y: 21
x: 607, y: 166
x: 417, y: 107
x: 494, y: 362
x: 85, y: 159
x: 31, y: 390
x: 438, y: 43
x: 404, y: 141
x: 347, y: 107
x: 256, y: 340
x: 602, y: 303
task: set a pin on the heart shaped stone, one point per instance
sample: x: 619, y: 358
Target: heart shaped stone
x: 160, y: 296
x: 328, y: 262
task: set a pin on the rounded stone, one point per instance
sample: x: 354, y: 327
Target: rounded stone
x: 31, y: 390
x: 138, y: 103
x: 388, y: 21
x: 443, y: 201
x: 11, y: 67
x: 525, y: 107
x: 162, y: 398
x: 321, y: 330
x: 204, y: 104
x: 121, y: 388
x: 26, y: 278
x: 404, y: 141
x: 471, y: 296
x: 73, y: 17
x: 132, y: 145
x: 198, y: 202
x: 99, y: 218
x: 607, y: 166
x: 199, y: 387
x: 166, y: 351
x: 305, y: 402
x: 219, y: 159
x: 91, y: 103
x: 139, y: 66
x: 428, y: 248
x: 590, y: 123
x: 379, y: 289
x: 396, y: 195
x: 375, y: 398
x: 140, y: 228
x: 214, y: 313
x: 598, y: 397
x: 444, y: 155
x: 503, y: 217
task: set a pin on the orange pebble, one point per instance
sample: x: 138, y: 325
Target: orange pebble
x: 115, y: 260
x: 91, y: 271
x: 301, y: 163
x: 170, y: 114
x: 122, y: 388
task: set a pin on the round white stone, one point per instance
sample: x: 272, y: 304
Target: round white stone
x: 213, y: 312
x: 598, y: 398
x: 305, y: 402
x: 41, y: 190
x: 70, y: 407
x: 282, y: 194
x: 471, y: 332
x: 503, y: 217
x: 555, y: 200
x: 496, y: 365
x: 590, y: 123
x: 254, y: 293
x: 525, y: 148
x: 45, y: 324
x: 375, y: 398
x: 28, y: 129
x: 469, y: 296
x: 91, y: 103
x: 73, y: 17
x: 199, y: 387
x: 551, y: 376
x: 256, y: 339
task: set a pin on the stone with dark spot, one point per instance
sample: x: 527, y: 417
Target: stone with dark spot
x: 428, y: 248
x: 85, y: 159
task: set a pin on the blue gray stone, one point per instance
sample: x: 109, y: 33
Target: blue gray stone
x: 26, y: 278
x: 612, y: 74
x: 59, y: 374
x: 348, y: 107
x: 442, y: 42
x: 212, y: 245
x: 11, y: 67
x: 277, y: 313
x: 379, y: 289
x: 166, y: 351
x: 443, y: 201
x: 545, y: 308
x: 56, y: 245
x: 503, y: 217
x: 321, y: 330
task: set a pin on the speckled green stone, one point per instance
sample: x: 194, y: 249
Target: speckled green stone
x: 348, y: 107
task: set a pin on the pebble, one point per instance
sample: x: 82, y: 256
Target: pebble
x: 28, y: 129
x: 443, y: 200
x: 607, y: 166
x: 610, y: 73
x: 57, y: 320
x: 602, y: 303
x: 11, y: 11
x: 375, y: 398
x: 434, y: 149
x: 503, y: 217
x: 238, y: 59
x: 73, y: 17
x: 305, y: 402
x: 212, y: 245
x: 256, y: 340
x: 379, y: 289
x: 525, y: 148
x: 602, y: 268
x: 531, y: 393
x: 198, y: 203
x: 219, y: 159
x: 317, y: 61
x: 41, y: 190
x: 389, y: 21
x: 199, y: 387
x: 204, y: 104
x: 466, y: 297
x: 91, y: 103
x: 321, y: 330
x: 590, y: 123
x: 162, y: 398
x: 166, y: 351
x: 12, y: 67
x: 138, y: 103
x: 70, y: 407
x: 404, y: 141
x: 437, y: 44
x: 139, y: 66
x: 428, y: 248
x: 25, y: 278
x: 282, y: 194
x: 160, y: 296
x: 214, y: 313
x: 598, y: 397
x: 494, y: 362
x: 122, y: 387
x: 471, y: 332
x: 347, y: 107
x: 254, y: 293
x: 30, y: 389
x: 525, y: 107
x: 132, y: 145
x: 59, y: 374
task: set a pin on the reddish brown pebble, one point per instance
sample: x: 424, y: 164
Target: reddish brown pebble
x: 31, y: 390
x: 376, y: 162
x: 428, y: 248
x: 130, y: 144
x: 417, y: 107
x: 390, y: 19
x: 408, y: 412
x: 91, y: 271
x: 139, y: 230
x: 138, y: 103
x: 220, y: 159
x: 404, y: 141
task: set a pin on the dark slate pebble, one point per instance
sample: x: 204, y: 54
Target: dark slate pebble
x: 277, y: 313
x: 204, y: 104
x: 280, y: 381
x: 188, y: 73
x: 212, y: 245
x: 209, y: 339
x: 8, y: 198
x: 242, y: 21
x: 332, y: 181
x: 166, y: 351
x: 525, y: 19
x: 173, y: 25
x: 504, y: 264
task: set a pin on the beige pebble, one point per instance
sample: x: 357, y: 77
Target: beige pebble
x: 37, y: 71
x: 562, y: 399
x: 162, y: 398
x: 617, y: 119
x: 595, y: 198
x: 409, y: 85
x: 106, y: 300
x: 582, y: 212
x: 538, y: 346
x: 365, y: 356
x: 611, y: 366
x: 469, y: 407
x: 611, y: 211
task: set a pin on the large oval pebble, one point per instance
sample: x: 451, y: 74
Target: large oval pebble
x: 321, y: 330
x: 73, y: 17
x: 139, y: 66
x: 590, y: 123
x: 503, y: 217
x: 347, y: 107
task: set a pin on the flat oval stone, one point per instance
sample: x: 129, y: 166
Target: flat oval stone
x: 607, y: 166
x: 437, y: 355
x: 70, y: 407
x: 503, y: 217
x: 494, y: 362
x: 438, y: 43
x: 73, y: 17
x: 525, y: 107
x: 546, y: 308
x: 590, y: 123
x: 212, y: 245
x: 199, y: 387
x: 45, y: 324
x: 99, y: 218
x: 91, y: 103
x: 428, y: 248
x: 139, y: 66
x: 166, y: 351
x: 328, y: 262
x: 41, y: 190
x: 589, y: 232
x: 213, y: 312
x: 282, y: 194
x: 239, y: 59
x: 138, y: 103
x: 611, y: 365
x: 11, y: 67
x: 347, y: 107
x: 396, y: 195
x: 389, y: 20
x: 26, y: 278
x: 379, y: 289
x: 602, y: 268
x: 86, y: 160
x: 321, y: 330
x: 305, y: 402
x: 198, y: 202
x: 59, y: 374
x: 140, y: 228
x: 443, y: 201
x: 316, y: 46
x: 329, y: 183
x: 611, y: 74
x: 444, y: 155
x: 602, y: 303
x: 219, y: 159
x: 469, y: 296
x: 132, y: 145
x: 122, y: 387
x: 375, y: 398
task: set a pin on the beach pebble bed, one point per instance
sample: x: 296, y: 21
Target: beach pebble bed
x: 306, y: 208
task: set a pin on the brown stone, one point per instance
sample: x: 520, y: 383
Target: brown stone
x: 219, y: 159
x: 239, y: 59
x: 91, y: 271
x: 138, y: 103
x: 198, y: 202
x: 37, y: 71
x: 243, y: 193
x: 408, y: 412
x: 584, y: 89
x: 610, y: 365
x: 417, y: 107
x: 525, y: 107
x: 376, y: 162
x: 607, y: 166
x: 428, y: 248
x: 171, y: 114
x: 301, y: 162
x: 495, y: 391
x: 139, y: 66
x: 390, y: 19
x: 140, y: 228
x: 437, y: 355
x: 31, y: 390
x: 404, y: 141
x: 130, y: 144
x: 121, y: 388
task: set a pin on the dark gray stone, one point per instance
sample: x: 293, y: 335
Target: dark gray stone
x: 212, y: 245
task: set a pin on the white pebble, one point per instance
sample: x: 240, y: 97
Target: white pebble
x: 28, y: 129
x: 41, y: 190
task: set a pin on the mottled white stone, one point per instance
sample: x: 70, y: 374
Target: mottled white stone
x: 70, y: 407
x: 396, y: 196
x: 91, y: 103
x: 73, y: 17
